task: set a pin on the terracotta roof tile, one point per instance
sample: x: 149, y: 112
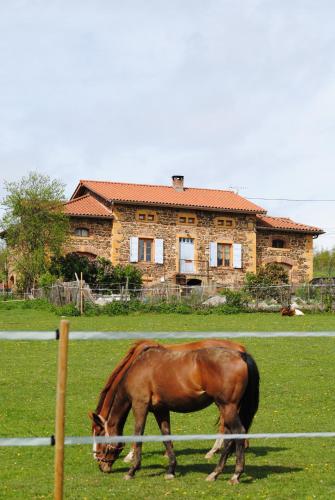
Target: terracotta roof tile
x: 285, y: 223
x: 212, y: 199
x: 88, y: 206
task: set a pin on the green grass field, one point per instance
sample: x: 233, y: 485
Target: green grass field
x: 297, y: 394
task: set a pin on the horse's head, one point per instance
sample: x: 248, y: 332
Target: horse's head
x: 104, y: 453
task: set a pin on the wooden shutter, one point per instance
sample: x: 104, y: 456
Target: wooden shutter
x: 237, y: 255
x: 133, y: 254
x: 159, y: 251
x: 213, y: 254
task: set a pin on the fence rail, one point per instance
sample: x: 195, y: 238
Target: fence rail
x: 120, y: 335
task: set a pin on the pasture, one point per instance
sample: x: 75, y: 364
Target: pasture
x: 297, y: 394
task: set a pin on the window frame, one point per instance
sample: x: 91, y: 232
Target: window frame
x: 145, y: 242
x: 221, y: 254
x: 80, y: 229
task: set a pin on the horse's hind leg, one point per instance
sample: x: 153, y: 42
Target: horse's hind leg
x: 140, y: 412
x: 130, y: 457
x: 163, y: 420
x: 233, y: 425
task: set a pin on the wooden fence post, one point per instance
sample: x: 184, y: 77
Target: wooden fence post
x: 60, y: 408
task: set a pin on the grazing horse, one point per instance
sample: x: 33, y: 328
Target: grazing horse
x: 137, y: 348
x: 161, y: 381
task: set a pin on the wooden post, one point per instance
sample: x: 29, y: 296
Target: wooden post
x: 60, y: 408
x: 81, y: 294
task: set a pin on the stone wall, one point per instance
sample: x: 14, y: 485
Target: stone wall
x: 166, y: 226
x: 296, y: 256
x: 99, y: 240
x: 111, y: 239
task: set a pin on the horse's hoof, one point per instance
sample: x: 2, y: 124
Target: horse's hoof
x: 209, y: 455
x: 169, y: 476
x: 234, y: 480
x: 211, y: 477
x: 127, y: 477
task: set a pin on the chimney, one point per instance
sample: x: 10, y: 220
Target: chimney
x: 178, y: 182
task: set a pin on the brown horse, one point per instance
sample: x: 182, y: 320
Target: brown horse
x: 161, y: 381
x: 137, y: 348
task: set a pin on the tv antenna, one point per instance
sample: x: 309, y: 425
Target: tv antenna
x: 237, y: 188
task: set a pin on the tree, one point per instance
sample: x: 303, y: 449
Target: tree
x: 34, y: 225
x: 324, y: 263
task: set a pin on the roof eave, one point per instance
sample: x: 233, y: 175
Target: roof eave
x: 84, y: 216
x: 185, y: 207
x: 287, y: 230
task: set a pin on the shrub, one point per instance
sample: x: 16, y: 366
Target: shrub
x: 236, y: 298
x: 268, y: 283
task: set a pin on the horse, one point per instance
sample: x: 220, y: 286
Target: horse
x: 138, y: 347
x: 291, y: 310
x: 161, y: 381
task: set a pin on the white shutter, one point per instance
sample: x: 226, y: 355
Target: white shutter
x: 213, y: 254
x: 237, y: 255
x: 133, y: 249
x: 159, y: 251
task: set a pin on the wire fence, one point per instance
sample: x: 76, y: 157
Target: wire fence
x: 84, y: 440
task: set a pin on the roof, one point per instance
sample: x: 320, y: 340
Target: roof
x: 285, y: 224
x: 87, y: 206
x: 210, y: 199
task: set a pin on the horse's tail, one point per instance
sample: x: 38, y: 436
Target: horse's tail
x: 136, y: 349
x: 250, y: 399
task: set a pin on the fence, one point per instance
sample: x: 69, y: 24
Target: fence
x: 312, y: 297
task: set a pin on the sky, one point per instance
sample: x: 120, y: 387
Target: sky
x: 231, y: 94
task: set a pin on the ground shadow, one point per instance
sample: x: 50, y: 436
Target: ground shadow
x: 259, y: 451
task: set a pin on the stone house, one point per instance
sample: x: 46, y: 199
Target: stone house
x: 185, y: 235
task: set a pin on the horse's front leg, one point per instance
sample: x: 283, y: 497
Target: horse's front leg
x: 163, y: 419
x: 140, y: 412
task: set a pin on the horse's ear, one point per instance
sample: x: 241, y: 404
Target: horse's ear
x: 97, y: 419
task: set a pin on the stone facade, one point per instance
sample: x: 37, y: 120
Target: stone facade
x: 296, y: 256
x: 110, y: 238
x: 99, y: 239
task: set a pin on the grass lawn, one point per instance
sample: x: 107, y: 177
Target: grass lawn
x: 297, y: 394
x: 30, y: 319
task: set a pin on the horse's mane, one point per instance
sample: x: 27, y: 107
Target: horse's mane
x: 121, y: 368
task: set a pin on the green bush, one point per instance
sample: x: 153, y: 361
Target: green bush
x: 236, y: 298
x: 268, y: 284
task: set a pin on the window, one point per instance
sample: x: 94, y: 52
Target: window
x: 82, y: 232
x: 223, y: 222
x: 146, y: 216
x: 145, y: 250
x: 187, y: 218
x: 277, y: 243
x: 223, y: 254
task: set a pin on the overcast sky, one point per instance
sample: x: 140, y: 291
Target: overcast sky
x: 225, y: 92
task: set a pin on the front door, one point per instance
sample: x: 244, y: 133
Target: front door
x: 186, y: 255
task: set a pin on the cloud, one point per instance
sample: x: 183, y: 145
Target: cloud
x: 226, y: 93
